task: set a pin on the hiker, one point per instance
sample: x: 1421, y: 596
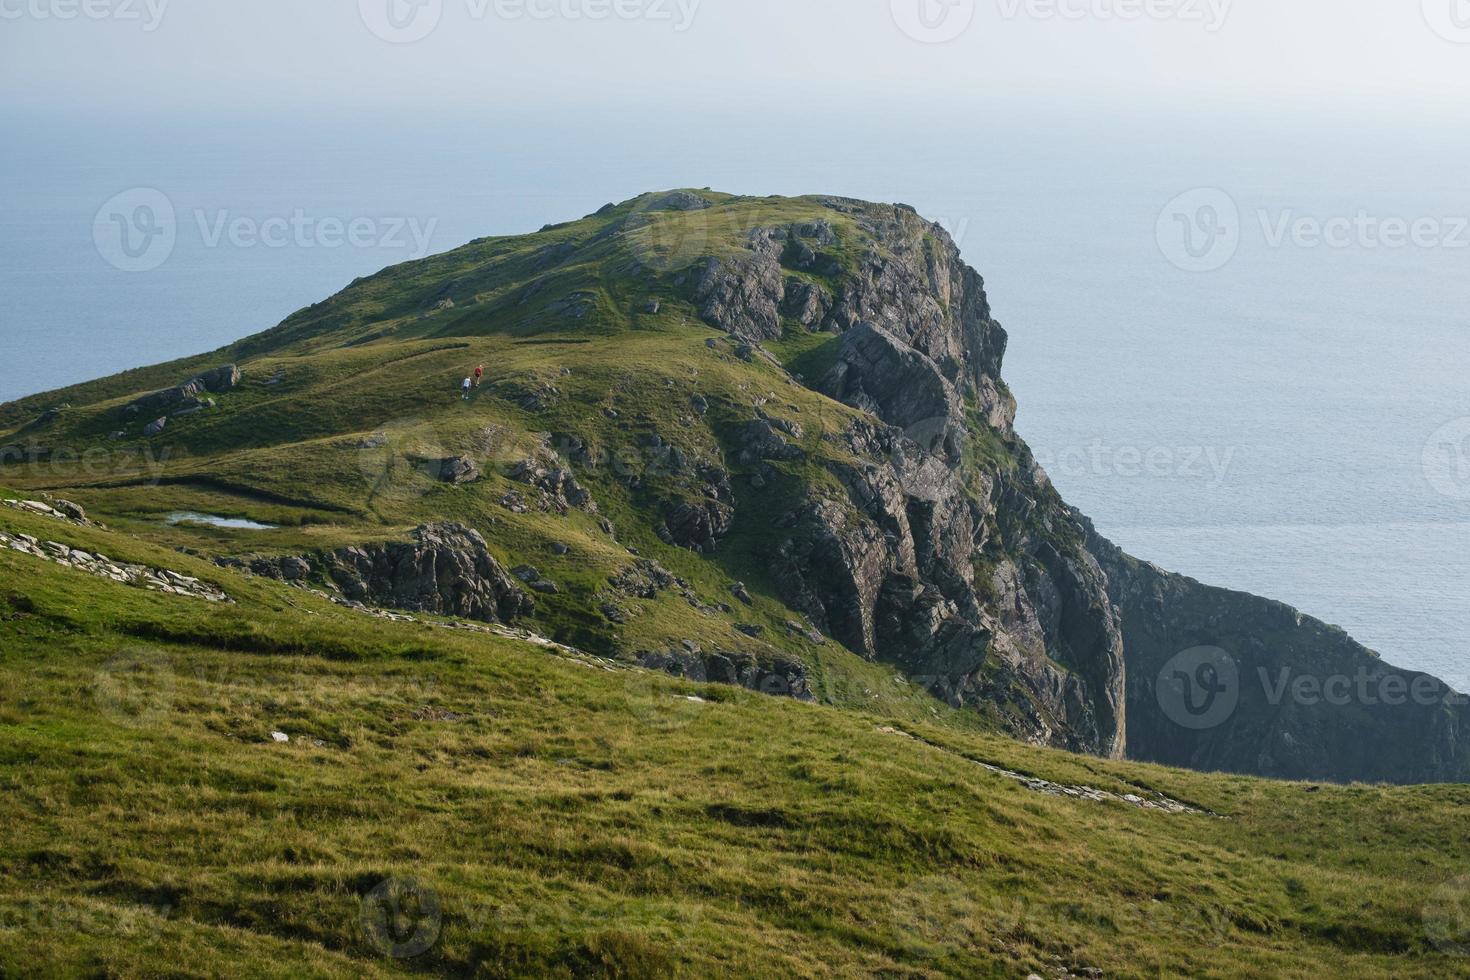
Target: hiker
x: 479, y: 373
x: 466, y: 389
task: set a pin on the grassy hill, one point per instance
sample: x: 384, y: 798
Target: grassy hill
x: 543, y: 813
x: 288, y: 784
x: 593, y: 348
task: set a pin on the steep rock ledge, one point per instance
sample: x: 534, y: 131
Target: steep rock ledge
x: 889, y: 566
x: 445, y: 570
x: 1296, y: 698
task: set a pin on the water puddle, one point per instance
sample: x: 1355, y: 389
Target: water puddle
x: 231, y: 523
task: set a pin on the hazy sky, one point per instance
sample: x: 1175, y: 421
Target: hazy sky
x: 793, y: 56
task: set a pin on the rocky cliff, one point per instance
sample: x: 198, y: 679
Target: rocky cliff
x: 965, y: 570
x: 1221, y: 680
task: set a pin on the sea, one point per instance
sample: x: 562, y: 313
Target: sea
x: 1240, y: 343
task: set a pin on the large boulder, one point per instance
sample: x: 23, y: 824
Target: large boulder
x: 188, y: 394
x: 447, y: 569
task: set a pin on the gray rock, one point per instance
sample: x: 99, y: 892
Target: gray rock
x: 743, y: 295
x: 68, y: 509
x: 446, y: 569
x: 677, y: 201
x: 155, y: 427
x: 187, y: 395
x: 453, y: 469
x: 778, y: 675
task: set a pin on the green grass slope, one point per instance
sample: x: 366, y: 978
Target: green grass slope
x: 460, y: 803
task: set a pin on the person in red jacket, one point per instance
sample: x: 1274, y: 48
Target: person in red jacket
x: 479, y: 373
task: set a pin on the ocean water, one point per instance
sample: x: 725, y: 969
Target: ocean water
x: 1290, y: 422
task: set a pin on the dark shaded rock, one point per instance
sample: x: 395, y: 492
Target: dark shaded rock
x: 155, y: 427
x: 806, y: 302
x: 739, y: 591
x: 453, y: 469
x: 1361, y: 720
x: 751, y: 629
x: 71, y: 510
x: 187, y: 395
x: 447, y: 569
x: 778, y: 676
x: 698, y: 526
x: 645, y: 579
x: 878, y: 372
x: 759, y: 439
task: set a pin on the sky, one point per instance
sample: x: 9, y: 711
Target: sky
x: 449, y: 59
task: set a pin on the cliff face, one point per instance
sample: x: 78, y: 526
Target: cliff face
x: 1221, y: 680
x: 968, y: 573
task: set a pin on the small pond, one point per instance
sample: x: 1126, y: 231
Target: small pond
x: 233, y: 523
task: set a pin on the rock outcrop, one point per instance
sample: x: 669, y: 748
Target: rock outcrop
x: 889, y: 566
x: 779, y: 675
x: 1222, y: 680
x: 445, y: 570
x: 187, y: 395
